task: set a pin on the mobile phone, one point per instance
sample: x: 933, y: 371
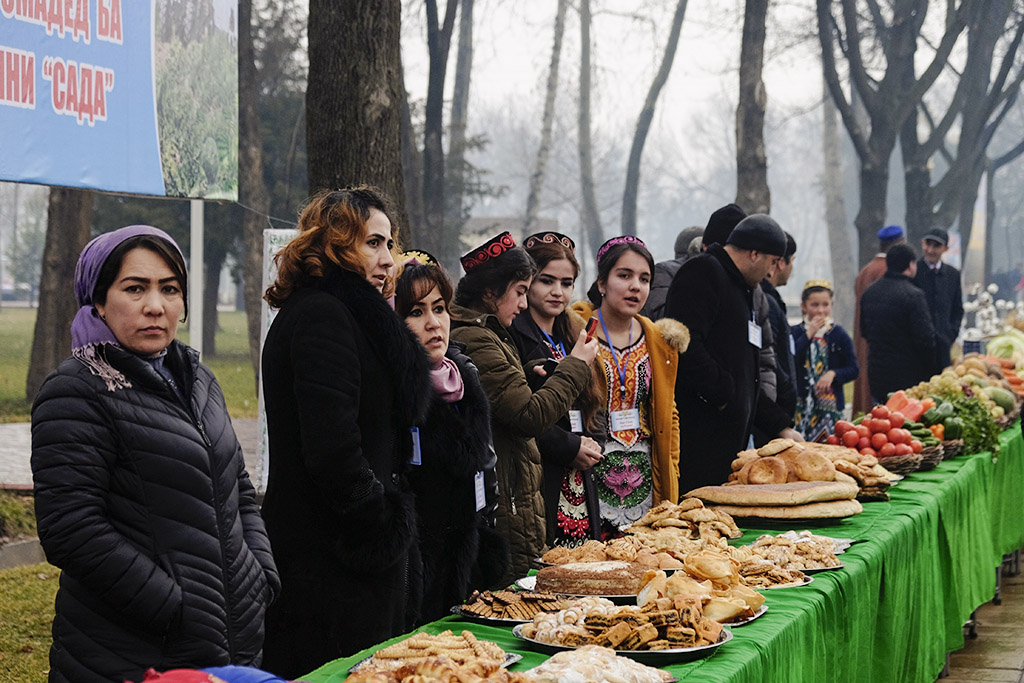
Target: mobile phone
x: 591, y: 328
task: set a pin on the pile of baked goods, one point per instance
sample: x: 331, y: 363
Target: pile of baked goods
x: 688, y: 519
x: 512, y: 605
x: 814, y: 552
x: 612, y: 577
x: 725, y: 602
x: 596, y: 664
x: 444, y: 656
x: 793, y: 500
x: 656, y: 551
x: 659, y: 625
x: 782, y: 460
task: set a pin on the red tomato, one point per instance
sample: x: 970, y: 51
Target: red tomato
x: 887, y: 450
x: 868, y: 451
x: 880, y: 412
x: 862, y: 430
x: 878, y: 440
x: 850, y: 439
x: 881, y: 425
x: 842, y: 427
x: 864, y: 442
x: 907, y: 436
x: 903, y: 449
x: 896, y: 419
x: 832, y: 440
x: 916, y: 446
x: 896, y: 435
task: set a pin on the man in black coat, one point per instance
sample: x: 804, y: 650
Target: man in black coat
x: 666, y: 270
x: 785, y: 366
x: 894, y: 319
x: 940, y: 283
x: 718, y: 389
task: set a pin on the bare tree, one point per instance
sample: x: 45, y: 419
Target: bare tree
x: 354, y: 97
x: 456, y: 161
x: 887, y: 98
x: 844, y: 268
x: 752, y: 191
x: 592, y: 230
x: 68, y: 228
x: 547, y: 118
x: 643, y: 123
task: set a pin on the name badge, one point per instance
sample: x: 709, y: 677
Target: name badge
x: 623, y: 420
x: 754, y: 333
x: 417, y: 454
x: 576, y: 421
x: 792, y: 346
x: 478, y: 491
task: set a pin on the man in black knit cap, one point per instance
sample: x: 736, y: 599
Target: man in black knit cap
x: 718, y: 389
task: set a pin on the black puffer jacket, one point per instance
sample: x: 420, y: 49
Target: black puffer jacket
x: 145, y: 505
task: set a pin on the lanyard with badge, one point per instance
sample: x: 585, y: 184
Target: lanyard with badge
x: 478, y: 478
x: 754, y: 330
x: 620, y: 420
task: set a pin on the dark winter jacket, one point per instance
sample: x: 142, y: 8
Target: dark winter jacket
x: 664, y: 272
x: 785, y: 367
x: 718, y: 388
x: 842, y: 359
x: 894, y: 318
x: 518, y: 415
x: 945, y: 299
x: 462, y: 550
x: 559, y: 445
x: 144, y: 504
x: 344, y: 380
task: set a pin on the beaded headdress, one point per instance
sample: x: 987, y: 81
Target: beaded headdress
x: 549, y: 237
x: 824, y: 284
x: 418, y: 257
x: 622, y: 239
x: 491, y: 249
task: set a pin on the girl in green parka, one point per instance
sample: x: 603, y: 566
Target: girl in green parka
x: 487, y: 300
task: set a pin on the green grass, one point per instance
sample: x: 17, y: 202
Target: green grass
x: 231, y: 364
x: 26, y: 612
x: 17, y: 515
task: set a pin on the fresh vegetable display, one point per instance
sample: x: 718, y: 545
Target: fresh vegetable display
x: 884, y: 433
x: 980, y: 432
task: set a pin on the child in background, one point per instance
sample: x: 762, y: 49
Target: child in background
x: 825, y: 361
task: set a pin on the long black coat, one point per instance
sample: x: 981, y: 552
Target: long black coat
x: 783, y: 345
x: 145, y: 505
x: 343, y: 380
x: 559, y: 445
x: 894, y: 318
x: 945, y: 299
x: 718, y: 388
x: 462, y: 550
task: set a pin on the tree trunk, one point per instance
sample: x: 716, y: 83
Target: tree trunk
x: 252, y: 191
x: 874, y: 183
x: 592, y: 230
x: 213, y: 265
x: 412, y: 174
x: 439, y: 38
x: 69, y: 224
x: 354, y: 97
x: 643, y: 123
x: 844, y: 270
x: 752, y: 191
x: 547, y: 119
x: 456, y: 164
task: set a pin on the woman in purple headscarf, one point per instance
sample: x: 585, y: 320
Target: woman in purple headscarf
x: 142, y: 498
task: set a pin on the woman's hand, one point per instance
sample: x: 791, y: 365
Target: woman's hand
x: 588, y: 455
x: 585, y: 350
x: 824, y: 384
x: 815, y: 324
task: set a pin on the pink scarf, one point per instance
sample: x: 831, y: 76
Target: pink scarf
x: 447, y: 381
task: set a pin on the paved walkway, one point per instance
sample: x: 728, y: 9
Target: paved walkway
x: 16, y: 449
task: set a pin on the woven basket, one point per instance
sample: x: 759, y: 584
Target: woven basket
x: 930, y: 458
x: 1006, y: 421
x: 902, y: 464
x: 951, y: 449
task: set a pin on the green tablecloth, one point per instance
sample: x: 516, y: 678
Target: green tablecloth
x: 924, y: 562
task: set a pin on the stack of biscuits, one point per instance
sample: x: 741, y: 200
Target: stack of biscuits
x: 511, y: 605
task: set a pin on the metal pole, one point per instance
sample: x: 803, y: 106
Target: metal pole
x: 196, y: 279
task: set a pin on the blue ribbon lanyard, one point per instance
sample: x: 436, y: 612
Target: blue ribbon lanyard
x: 555, y: 346
x: 621, y: 369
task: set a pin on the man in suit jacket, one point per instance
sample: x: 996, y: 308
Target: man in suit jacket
x: 940, y: 283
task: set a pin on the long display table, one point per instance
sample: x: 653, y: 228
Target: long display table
x: 923, y: 562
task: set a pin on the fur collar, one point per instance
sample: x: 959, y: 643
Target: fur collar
x: 675, y: 334
x: 395, y: 345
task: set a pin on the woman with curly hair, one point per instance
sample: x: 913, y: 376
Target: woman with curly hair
x: 344, y: 380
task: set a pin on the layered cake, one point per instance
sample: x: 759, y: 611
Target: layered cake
x: 592, y: 578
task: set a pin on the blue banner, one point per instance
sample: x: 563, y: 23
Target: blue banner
x: 131, y: 96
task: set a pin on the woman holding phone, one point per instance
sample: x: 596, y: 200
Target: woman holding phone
x: 568, y: 450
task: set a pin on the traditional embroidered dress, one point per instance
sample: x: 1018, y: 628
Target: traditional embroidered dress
x: 817, y: 413
x: 625, y: 483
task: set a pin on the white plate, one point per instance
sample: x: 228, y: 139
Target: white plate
x: 787, y: 585
x: 823, y: 569
x: 529, y: 583
x: 510, y: 659
x: 650, y: 657
x: 744, y: 622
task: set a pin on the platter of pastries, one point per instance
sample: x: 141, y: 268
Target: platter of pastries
x: 442, y: 655
x: 508, y: 607
x: 596, y: 664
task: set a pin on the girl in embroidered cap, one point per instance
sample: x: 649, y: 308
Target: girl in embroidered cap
x: 142, y: 498
x: 545, y: 332
x: 825, y: 362
x: 636, y: 375
x: 344, y: 381
x: 489, y: 297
